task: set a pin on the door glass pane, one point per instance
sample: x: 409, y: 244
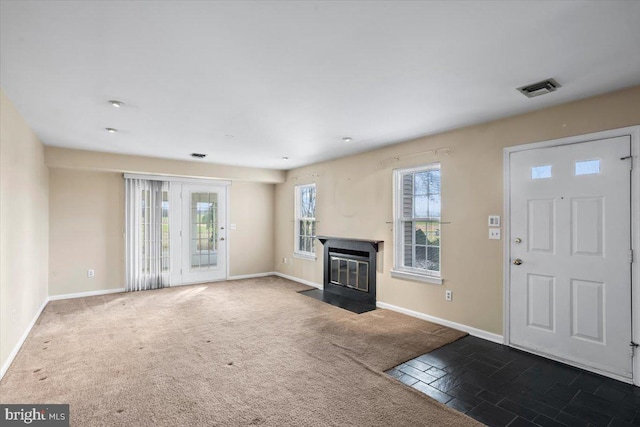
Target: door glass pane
x: 588, y: 167
x: 541, y: 172
x: 204, y: 230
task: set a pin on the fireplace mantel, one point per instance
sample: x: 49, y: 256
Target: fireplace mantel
x: 345, y: 241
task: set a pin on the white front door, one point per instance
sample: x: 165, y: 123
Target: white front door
x: 203, y: 236
x: 570, y: 247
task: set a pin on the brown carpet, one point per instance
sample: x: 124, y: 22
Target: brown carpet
x: 247, y: 352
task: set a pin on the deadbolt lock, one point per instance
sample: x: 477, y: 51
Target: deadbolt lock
x: 517, y: 261
x: 518, y: 240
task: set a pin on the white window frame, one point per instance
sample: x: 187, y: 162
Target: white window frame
x: 296, y: 223
x: 399, y: 270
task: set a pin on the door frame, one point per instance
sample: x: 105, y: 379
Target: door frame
x: 177, y: 240
x: 634, y: 133
x: 177, y: 274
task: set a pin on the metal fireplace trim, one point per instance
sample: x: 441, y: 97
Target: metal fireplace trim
x: 350, y: 273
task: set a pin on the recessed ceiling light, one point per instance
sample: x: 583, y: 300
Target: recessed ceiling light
x: 347, y: 139
x: 285, y: 158
x: 116, y: 104
x: 111, y: 130
x: 198, y: 155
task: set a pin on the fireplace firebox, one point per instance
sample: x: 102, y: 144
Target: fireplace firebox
x: 350, y: 268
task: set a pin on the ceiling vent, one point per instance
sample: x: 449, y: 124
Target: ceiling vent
x: 540, y: 88
x: 198, y: 155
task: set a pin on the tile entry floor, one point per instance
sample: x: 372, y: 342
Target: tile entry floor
x: 501, y: 386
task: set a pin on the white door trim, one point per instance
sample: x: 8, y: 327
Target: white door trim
x: 227, y: 242
x: 634, y: 133
x: 175, y: 197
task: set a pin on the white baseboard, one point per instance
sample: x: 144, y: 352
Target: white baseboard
x: 251, y: 276
x: 296, y: 279
x: 22, y: 339
x: 86, y: 294
x: 489, y: 336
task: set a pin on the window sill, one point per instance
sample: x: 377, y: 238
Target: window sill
x: 304, y: 256
x: 416, y: 277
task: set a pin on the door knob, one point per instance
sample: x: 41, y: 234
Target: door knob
x: 517, y: 261
x: 222, y: 238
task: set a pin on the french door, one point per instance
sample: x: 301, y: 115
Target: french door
x: 570, y: 245
x: 199, y: 235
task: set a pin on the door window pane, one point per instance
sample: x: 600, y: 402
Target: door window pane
x: 541, y: 172
x: 588, y: 167
x: 204, y: 230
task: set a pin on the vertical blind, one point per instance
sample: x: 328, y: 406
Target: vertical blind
x: 147, y: 234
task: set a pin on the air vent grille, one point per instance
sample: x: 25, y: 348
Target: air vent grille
x: 539, y: 88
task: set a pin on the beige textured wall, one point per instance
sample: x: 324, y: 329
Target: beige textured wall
x: 87, y: 225
x: 24, y: 227
x: 355, y: 200
x: 251, y: 245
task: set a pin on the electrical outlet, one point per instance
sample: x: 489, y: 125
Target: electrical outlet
x: 448, y: 295
x: 91, y: 272
x: 494, y: 234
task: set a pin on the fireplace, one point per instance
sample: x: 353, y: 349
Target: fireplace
x: 350, y: 268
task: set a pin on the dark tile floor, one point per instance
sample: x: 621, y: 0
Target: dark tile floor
x: 501, y: 386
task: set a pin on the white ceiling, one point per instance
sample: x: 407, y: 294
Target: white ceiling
x: 250, y: 82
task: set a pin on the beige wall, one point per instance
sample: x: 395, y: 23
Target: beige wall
x: 87, y: 226
x: 24, y: 227
x: 251, y: 210
x: 86, y: 231
x: 354, y: 199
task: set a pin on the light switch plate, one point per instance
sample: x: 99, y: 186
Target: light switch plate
x: 494, y: 234
x: 494, y: 220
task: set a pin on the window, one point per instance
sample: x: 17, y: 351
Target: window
x: 417, y: 223
x: 541, y: 172
x: 588, y: 167
x: 148, y: 255
x: 154, y: 228
x: 305, y: 222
